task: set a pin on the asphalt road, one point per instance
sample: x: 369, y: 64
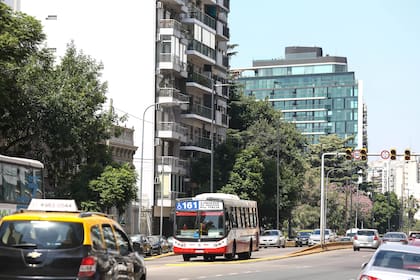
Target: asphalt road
x: 267, y: 264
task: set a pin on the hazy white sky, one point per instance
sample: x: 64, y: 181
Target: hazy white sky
x: 380, y: 38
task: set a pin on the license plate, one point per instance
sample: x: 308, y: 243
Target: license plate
x: 199, y: 251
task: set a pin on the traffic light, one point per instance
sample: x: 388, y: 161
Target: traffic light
x: 363, y: 154
x: 407, y: 154
x: 349, y: 153
x: 393, y: 154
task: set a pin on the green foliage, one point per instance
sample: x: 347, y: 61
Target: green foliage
x: 246, y: 177
x: 386, y: 209
x: 115, y: 187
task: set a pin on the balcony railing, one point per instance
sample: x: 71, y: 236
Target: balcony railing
x: 201, y: 142
x: 200, y: 79
x: 199, y: 110
x: 175, y: 59
x: 195, y: 45
x: 206, y: 19
x: 172, y: 164
x: 171, y: 23
x: 173, y: 127
x: 174, y: 93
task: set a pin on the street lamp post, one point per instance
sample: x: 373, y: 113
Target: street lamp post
x: 322, y: 214
x: 142, y: 153
x: 326, y: 196
x: 212, y: 132
x: 141, y: 163
x: 161, y: 196
x: 277, y: 169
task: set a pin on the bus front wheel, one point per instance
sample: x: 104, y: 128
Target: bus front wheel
x: 231, y: 256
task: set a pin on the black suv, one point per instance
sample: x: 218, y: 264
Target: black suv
x: 54, y: 242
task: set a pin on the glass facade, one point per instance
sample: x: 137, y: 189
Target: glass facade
x: 318, y: 99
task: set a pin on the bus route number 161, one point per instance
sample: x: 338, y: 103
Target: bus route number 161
x: 187, y: 205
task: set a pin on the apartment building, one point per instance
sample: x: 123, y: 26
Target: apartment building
x: 399, y: 176
x: 192, y: 64
x: 166, y: 66
x: 315, y: 92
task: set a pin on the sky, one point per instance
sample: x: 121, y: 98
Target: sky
x: 380, y: 38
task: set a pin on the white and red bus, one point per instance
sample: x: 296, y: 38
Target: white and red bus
x: 215, y: 224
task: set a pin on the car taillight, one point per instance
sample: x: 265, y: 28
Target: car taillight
x: 87, y: 267
x: 355, y: 237
x: 367, y: 277
x: 375, y: 238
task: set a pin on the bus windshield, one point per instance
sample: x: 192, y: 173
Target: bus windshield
x: 200, y: 224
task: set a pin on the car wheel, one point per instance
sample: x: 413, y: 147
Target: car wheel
x: 186, y: 258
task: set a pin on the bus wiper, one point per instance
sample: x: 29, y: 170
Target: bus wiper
x: 25, y: 245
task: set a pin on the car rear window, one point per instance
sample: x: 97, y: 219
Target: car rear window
x: 366, y: 232
x: 41, y: 234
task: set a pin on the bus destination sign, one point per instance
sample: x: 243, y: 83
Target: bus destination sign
x: 194, y: 205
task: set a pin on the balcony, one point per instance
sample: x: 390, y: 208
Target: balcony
x: 171, y: 164
x: 172, y: 95
x: 222, y: 60
x: 195, y: 15
x: 201, y: 52
x: 222, y: 31
x: 224, y: 3
x: 172, y: 130
x: 172, y: 27
x: 169, y: 61
x: 197, y: 111
x: 200, y: 144
x: 200, y: 81
x: 176, y: 5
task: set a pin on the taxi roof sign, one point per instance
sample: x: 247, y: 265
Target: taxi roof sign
x: 59, y: 205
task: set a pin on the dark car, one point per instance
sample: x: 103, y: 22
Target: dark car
x: 53, y: 240
x: 160, y: 244
x: 141, y: 244
x: 302, y: 238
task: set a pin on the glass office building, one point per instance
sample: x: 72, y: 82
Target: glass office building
x: 317, y: 93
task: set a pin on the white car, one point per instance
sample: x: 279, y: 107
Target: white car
x: 315, y: 237
x: 272, y: 237
x: 392, y: 261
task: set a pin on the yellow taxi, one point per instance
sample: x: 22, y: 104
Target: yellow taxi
x: 53, y: 240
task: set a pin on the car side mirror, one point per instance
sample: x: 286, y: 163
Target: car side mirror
x: 364, y: 265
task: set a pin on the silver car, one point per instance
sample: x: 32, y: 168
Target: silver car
x: 392, y: 262
x: 366, y: 238
x: 272, y: 237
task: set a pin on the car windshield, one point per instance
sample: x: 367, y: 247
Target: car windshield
x: 41, y: 234
x: 200, y: 224
x: 304, y: 234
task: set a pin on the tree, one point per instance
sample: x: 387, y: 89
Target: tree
x: 21, y: 59
x: 52, y: 111
x: 246, y: 178
x: 116, y: 187
x: 386, y: 212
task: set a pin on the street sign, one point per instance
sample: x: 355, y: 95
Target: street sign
x: 356, y: 154
x: 385, y: 154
